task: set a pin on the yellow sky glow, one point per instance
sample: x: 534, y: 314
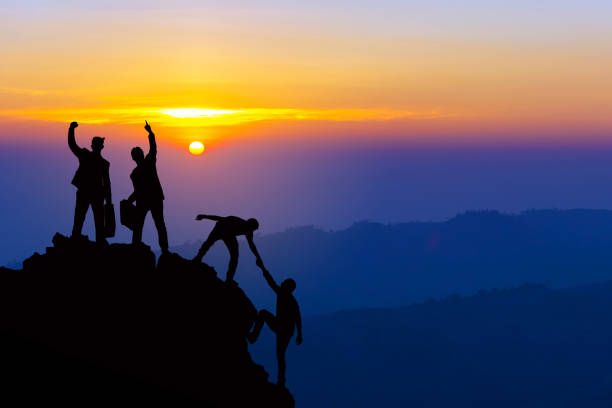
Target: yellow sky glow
x: 196, y: 113
x: 210, y: 68
x: 203, y: 117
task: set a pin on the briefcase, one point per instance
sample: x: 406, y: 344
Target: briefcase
x: 127, y: 214
x: 109, y: 220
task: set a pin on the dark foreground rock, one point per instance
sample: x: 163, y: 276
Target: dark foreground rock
x: 83, y: 324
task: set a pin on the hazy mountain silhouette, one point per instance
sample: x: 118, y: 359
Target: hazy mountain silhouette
x: 89, y: 325
x: 524, y: 347
x: 376, y: 265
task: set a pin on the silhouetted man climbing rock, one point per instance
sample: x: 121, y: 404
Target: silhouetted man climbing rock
x: 286, y: 320
x: 92, y: 182
x: 148, y: 192
x: 227, y: 229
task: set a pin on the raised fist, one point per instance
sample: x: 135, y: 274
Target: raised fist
x: 74, y: 125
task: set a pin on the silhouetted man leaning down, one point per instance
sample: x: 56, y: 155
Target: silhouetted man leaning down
x: 92, y: 182
x: 283, y: 324
x: 148, y: 192
x: 227, y: 229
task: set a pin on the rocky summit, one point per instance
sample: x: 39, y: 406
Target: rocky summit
x: 84, y: 324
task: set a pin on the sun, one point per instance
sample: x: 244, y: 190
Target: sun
x: 196, y: 148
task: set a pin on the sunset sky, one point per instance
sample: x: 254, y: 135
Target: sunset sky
x: 439, y: 67
x: 389, y: 108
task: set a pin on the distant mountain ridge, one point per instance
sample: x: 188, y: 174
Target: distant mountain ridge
x: 377, y: 265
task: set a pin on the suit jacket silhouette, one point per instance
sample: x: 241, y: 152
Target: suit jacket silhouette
x: 92, y: 176
x: 147, y: 188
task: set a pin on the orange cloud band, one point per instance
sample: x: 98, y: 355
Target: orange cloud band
x: 192, y: 117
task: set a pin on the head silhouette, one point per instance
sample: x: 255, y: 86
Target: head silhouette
x: 137, y: 155
x: 288, y: 285
x: 97, y: 144
x: 252, y: 224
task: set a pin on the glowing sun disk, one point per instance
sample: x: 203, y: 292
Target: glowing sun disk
x: 196, y: 148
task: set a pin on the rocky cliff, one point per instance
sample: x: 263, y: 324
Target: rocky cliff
x: 84, y: 324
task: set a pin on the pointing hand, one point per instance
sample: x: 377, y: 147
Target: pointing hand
x: 74, y: 125
x: 147, y: 127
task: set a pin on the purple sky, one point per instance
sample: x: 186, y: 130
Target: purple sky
x: 322, y: 184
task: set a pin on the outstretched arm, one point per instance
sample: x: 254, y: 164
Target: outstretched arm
x: 200, y: 217
x: 270, y: 280
x: 74, y: 147
x: 152, y: 143
x: 258, y: 261
x: 298, y: 324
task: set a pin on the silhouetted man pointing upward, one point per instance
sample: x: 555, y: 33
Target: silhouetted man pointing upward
x: 92, y: 182
x: 227, y: 229
x: 148, y: 192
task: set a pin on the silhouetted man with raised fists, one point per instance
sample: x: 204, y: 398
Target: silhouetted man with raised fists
x: 148, y: 192
x: 227, y: 229
x: 283, y: 324
x: 92, y: 182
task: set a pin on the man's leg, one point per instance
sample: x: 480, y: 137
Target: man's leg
x: 282, y: 341
x: 97, y: 206
x: 232, y: 247
x: 141, y: 213
x: 157, y: 211
x: 80, y: 209
x: 212, y: 238
x: 262, y: 317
